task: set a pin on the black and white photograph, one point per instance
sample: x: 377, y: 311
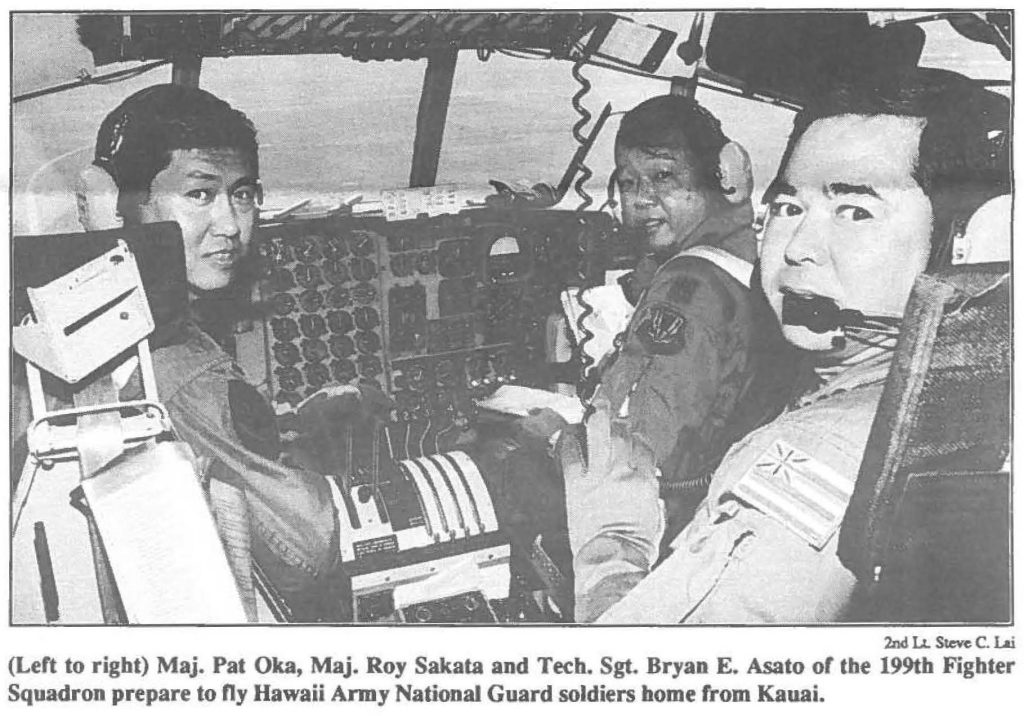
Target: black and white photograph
x: 518, y: 317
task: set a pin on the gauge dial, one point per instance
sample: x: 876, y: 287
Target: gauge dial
x: 364, y: 293
x: 342, y: 346
x: 312, y: 325
x: 336, y: 271
x: 335, y: 248
x: 363, y: 269
x: 286, y: 354
x: 289, y: 378
x: 284, y: 329
x: 283, y: 303
x: 367, y: 342
x: 362, y: 243
x: 317, y: 376
x: 277, y: 252
x: 369, y: 365
x: 339, y: 297
x: 454, y: 258
x: 367, y: 318
x: 314, y: 350
x: 343, y: 370
x: 308, y: 276
x: 340, y: 321
x: 402, y: 265
x: 311, y: 300
x: 308, y: 249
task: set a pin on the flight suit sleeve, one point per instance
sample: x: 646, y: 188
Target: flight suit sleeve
x: 682, y: 350
x: 762, y: 547
x: 292, y: 514
x: 614, y: 515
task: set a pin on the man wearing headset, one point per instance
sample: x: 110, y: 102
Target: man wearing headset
x: 871, y: 180
x: 688, y: 376
x: 173, y: 153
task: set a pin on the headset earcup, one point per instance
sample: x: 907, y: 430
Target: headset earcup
x: 96, y: 195
x: 736, y: 173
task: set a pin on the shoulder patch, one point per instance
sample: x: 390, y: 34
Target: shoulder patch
x: 253, y: 420
x: 661, y: 329
x: 795, y: 489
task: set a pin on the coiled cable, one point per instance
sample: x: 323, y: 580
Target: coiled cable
x: 585, y: 172
x: 584, y: 387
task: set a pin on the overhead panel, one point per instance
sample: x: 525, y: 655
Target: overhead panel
x: 361, y: 35
x: 797, y: 55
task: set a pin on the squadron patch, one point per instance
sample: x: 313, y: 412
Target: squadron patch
x: 662, y: 330
x: 802, y: 493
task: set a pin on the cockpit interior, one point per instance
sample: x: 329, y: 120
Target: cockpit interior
x: 399, y: 248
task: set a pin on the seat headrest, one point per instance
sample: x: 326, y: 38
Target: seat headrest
x: 986, y: 237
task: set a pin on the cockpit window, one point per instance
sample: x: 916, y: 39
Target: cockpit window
x: 327, y: 126
x: 509, y: 119
x: 331, y: 127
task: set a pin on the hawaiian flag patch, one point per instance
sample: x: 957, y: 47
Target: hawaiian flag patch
x: 793, y: 488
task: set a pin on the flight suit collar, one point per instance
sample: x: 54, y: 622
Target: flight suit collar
x: 868, y: 367
x: 729, y: 230
x: 177, y: 364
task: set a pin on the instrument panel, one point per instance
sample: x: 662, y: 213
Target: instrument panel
x: 434, y: 311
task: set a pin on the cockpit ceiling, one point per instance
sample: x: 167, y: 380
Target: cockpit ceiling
x: 797, y: 55
x: 361, y: 35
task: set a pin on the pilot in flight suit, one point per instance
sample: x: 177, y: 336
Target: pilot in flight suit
x: 685, y: 377
x: 761, y: 547
x: 688, y: 376
x: 690, y: 372
x: 174, y: 153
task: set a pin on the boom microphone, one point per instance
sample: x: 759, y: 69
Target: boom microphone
x: 821, y: 315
